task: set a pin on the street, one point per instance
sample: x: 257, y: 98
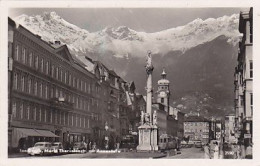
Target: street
x: 191, y: 153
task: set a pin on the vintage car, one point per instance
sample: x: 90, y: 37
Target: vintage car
x: 79, y: 146
x: 198, y: 144
x: 57, y: 147
x: 168, y: 142
x: 40, y: 148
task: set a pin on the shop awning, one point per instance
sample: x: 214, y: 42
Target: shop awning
x: 46, y: 133
x: 23, y: 132
x: 19, y: 133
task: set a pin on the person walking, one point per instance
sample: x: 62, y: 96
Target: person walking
x: 216, y: 151
x: 206, y: 152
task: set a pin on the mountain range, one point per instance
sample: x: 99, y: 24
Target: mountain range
x: 199, y: 57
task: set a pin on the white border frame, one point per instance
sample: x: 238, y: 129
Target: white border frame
x: 5, y: 5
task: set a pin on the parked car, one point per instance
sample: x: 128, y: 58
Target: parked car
x: 167, y: 142
x: 57, y: 147
x: 198, y: 144
x: 79, y: 146
x: 185, y: 144
x: 40, y: 148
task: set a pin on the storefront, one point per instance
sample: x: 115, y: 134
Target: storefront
x: 22, y: 138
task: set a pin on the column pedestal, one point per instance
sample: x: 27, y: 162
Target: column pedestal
x: 147, y: 138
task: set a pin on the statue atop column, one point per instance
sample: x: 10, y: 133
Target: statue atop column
x: 149, y: 66
x: 148, y: 131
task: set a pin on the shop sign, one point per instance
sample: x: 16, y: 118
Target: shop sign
x: 247, y: 135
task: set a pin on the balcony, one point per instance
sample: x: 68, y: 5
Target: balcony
x: 60, y: 102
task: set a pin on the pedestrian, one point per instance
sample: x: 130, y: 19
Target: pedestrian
x: 85, y: 145
x: 117, y: 145
x: 235, y: 150
x: 216, y: 151
x: 206, y: 152
x: 249, y: 151
x: 94, y: 145
x: 238, y: 151
x: 90, y: 145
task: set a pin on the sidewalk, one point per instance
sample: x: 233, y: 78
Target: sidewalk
x: 148, y: 155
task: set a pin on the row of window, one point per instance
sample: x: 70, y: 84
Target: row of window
x: 37, y: 87
x: 163, y: 88
x: 196, y: 124
x: 27, y: 111
x: 197, y: 130
x: 47, y: 67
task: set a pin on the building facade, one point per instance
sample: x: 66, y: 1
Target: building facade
x: 230, y: 129
x: 55, y: 97
x: 163, y: 92
x: 170, y: 120
x: 244, y: 80
x: 197, y: 128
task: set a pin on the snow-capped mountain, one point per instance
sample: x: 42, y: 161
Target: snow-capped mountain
x: 198, y: 57
x: 123, y: 41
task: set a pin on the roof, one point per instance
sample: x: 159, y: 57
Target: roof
x: 112, y: 72
x: 245, y: 15
x: 196, y: 119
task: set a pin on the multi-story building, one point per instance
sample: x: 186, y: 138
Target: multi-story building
x: 197, y: 128
x: 54, y: 96
x: 179, y: 117
x: 219, y: 130
x: 163, y: 92
x: 244, y: 79
x: 170, y: 120
x: 162, y: 118
x: 130, y: 117
x: 230, y: 129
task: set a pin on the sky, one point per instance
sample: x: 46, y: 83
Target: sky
x: 139, y: 19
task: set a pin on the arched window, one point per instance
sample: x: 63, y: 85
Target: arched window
x: 30, y: 59
x: 17, y: 52
x: 162, y: 100
x: 47, y: 67
x: 35, y: 87
x: 61, y: 75
x: 22, y: 83
x: 23, y: 55
x: 42, y: 64
x: 29, y: 85
x: 52, y: 70
x: 57, y: 73
x: 36, y: 62
x: 15, y: 81
x: 40, y: 88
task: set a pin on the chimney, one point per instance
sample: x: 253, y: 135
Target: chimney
x: 56, y: 42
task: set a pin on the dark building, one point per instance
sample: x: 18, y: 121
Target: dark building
x: 55, y: 97
x: 244, y: 80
